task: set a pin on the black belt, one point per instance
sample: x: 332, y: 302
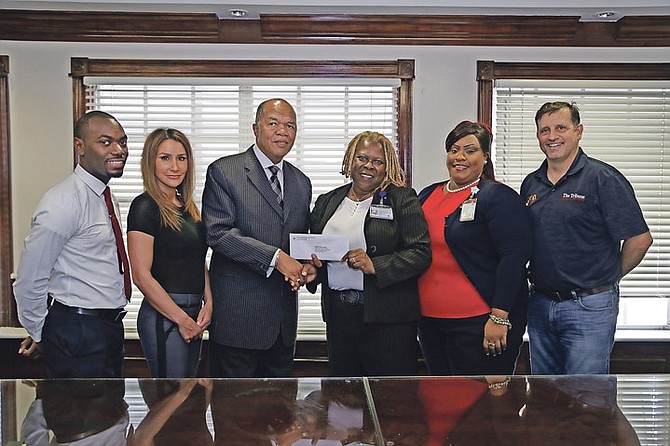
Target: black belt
x: 572, y: 294
x: 349, y: 297
x: 115, y: 314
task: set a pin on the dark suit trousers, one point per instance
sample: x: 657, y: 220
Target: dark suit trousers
x: 356, y: 348
x: 234, y: 362
x: 78, y: 346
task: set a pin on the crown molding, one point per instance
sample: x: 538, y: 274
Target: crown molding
x: 305, y: 29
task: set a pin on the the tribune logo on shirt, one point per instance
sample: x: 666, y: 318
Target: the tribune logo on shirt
x: 573, y: 197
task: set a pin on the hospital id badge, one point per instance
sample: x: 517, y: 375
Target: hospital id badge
x: 468, y: 210
x: 381, y: 211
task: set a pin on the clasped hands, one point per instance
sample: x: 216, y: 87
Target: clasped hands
x: 299, y: 274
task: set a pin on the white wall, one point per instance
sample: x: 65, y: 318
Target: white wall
x: 444, y: 94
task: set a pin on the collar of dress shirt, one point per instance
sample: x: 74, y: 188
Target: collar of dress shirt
x: 266, y: 162
x: 95, y: 184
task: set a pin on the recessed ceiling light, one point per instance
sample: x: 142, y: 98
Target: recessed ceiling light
x: 237, y: 13
x: 602, y: 16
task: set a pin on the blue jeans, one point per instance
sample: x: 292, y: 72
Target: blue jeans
x: 572, y: 336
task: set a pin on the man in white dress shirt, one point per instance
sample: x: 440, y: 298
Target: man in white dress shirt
x: 69, y: 288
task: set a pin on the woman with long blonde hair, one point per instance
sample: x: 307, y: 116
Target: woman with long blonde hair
x: 167, y: 248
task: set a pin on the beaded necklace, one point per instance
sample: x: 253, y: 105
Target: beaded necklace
x: 458, y: 189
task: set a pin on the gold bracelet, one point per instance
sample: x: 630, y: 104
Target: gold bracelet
x: 500, y: 321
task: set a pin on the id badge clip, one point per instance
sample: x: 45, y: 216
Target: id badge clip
x: 381, y: 211
x: 468, y: 210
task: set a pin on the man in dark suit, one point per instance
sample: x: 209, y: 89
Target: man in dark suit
x: 251, y: 202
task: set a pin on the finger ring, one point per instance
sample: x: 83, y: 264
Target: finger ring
x: 491, y: 344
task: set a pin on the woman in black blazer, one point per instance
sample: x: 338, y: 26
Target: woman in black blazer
x: 370, y: 298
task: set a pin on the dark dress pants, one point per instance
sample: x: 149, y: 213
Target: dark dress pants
x: 79, y: 346
x: 455, y: 347
x: 234, y: 362
x: 358, y: 348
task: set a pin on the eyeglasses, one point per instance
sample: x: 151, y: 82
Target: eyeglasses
x: 364, y: 160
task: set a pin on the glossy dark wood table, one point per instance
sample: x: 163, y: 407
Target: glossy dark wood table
x: 521, y: 410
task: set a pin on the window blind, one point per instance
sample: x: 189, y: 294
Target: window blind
x: 643, y: 400
x: 217, y: 118
x: 627, y: 125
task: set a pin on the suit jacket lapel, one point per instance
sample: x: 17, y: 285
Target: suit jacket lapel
x: 257, y: 176
x: 290, y: 185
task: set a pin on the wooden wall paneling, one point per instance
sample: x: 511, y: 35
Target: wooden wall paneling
x: 307, y: 29
x: 311, y: 360
x: 99, y: 26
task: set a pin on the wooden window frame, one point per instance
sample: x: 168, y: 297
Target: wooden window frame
x: 8, y: 316
x: 402, y: 69
x: 488, y: 71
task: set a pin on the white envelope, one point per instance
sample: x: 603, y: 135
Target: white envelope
x: 326, y: 247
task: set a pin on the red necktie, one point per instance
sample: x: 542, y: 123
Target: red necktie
x: 124, y: 268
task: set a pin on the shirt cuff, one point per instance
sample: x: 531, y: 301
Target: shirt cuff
x: 273, y: 263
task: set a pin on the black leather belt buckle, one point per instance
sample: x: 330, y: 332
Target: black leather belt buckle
x: 351, y: 297
x: 115, y: 315
x: 596, y: 290
x: 578, y: 292
x: 556, y: 295
x: 561, y: 295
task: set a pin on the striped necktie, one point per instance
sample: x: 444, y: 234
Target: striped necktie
x: 274, y: 181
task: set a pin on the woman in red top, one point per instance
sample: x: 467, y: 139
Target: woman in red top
x: 474, y: 294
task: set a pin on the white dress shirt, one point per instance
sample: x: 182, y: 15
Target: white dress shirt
x: 70, y: 253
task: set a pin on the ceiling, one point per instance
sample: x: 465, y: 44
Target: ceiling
x: 588, y: 10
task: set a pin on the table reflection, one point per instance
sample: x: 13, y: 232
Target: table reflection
x: 426, y: 411
x: 173, y: 405
x: 523, y: 411
x: 77, y: 413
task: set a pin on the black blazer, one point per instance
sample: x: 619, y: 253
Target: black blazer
x: 494, y: 248
x: 399, y: 249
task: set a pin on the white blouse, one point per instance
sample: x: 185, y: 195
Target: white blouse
x: 348, y: 220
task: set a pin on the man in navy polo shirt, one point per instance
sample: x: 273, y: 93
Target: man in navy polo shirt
x: 581, y: 210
